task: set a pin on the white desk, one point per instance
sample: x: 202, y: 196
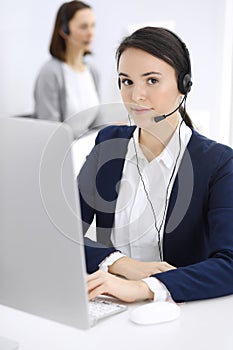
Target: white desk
x: 203, y: 325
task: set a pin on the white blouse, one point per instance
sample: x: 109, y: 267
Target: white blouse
x: 134, y: 232
x: 82, y: 101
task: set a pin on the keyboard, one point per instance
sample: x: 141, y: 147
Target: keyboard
x: 100, y: 308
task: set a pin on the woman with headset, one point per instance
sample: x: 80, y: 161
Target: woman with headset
x: 162, y: 193
x: 66, y: 84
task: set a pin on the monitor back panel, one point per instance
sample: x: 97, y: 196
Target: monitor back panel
x: 42, y: 266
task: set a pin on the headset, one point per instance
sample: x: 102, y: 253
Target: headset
x: 64, y: 22
x: 185, y: 78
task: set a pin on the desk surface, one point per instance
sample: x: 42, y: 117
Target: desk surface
x: 202, y: 325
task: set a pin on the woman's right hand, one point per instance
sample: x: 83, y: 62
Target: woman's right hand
x: 136, y: 270
x: 105, y: 283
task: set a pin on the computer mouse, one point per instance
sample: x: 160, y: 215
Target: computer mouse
x: 155, y: 312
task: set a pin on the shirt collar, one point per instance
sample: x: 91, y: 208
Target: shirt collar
x: 168, y: 156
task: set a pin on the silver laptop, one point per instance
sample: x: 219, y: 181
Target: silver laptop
x: 42, y: 265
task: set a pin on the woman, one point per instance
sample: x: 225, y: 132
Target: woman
x: 162, y: 193
x: 67, y: 85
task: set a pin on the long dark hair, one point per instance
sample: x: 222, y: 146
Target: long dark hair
x: 163, y: 44
x: 65, y: 13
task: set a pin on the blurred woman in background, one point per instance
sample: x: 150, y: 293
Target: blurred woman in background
x: 66, y: 84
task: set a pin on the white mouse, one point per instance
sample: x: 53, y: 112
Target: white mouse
x: 155, y: 312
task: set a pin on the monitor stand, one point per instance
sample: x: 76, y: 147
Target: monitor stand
x: 8, y: 344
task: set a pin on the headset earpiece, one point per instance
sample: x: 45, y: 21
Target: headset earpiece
x: 184, y: 78
x: 65, y: 29
x: 184, y: 83
x: 64, y: 22
x: 119, y: 83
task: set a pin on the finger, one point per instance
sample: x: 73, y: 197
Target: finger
x: 91, y: 285
x: 95, y: 275
x: 166, y: 267
x: 97, y: 291
x: 169, y: 266
x: 103, y: 285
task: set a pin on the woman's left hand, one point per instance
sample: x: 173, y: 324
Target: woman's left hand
x: 133, y: 269
x: 101, y: 282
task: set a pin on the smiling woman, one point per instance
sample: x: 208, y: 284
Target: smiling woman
x: 67, y: 85
x: 162, y: 193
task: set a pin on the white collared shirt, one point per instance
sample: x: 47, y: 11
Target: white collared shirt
x: 135, y: 233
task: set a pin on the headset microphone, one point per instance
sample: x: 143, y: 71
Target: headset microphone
x: 159, y: 118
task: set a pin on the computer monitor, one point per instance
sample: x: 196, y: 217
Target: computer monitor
x: 42, y: 265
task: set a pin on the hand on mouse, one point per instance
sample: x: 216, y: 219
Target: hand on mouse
x: 135, y: 270
x: 101, y: 282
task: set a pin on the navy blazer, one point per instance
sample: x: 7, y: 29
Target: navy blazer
x: 198, y: 233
